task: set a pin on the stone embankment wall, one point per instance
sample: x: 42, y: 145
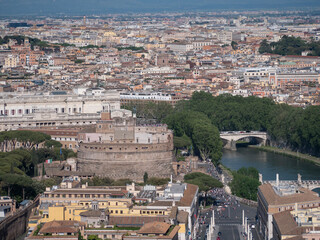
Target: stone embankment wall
x: 14, y: 226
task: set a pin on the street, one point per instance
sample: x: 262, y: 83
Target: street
x: 228, y: 215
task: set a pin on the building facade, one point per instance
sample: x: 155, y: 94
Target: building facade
x: 32, y: 110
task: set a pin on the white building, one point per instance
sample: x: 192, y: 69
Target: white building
x: 32, y: 110
x: 157, y: 70
x: 157, y: 96
x: 180, y: 47
x: 11, y: 61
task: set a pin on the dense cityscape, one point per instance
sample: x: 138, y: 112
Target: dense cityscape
x: 163, y: 125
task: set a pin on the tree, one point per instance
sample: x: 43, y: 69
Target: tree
x: 234, y: 45
x: 52, y: 143
x: 145, y: 177
x: 207, y: 141
x: 79, y: 235
x: 181, y: 142
x: 28, y: 139
x: 265, y: 47
x: 290, y: 46
x: 94, y: 237
x: 245, y: 183
x: 150, y: 110
x: 203, y: 181
x: 157, y: 181
x: 43, y: 170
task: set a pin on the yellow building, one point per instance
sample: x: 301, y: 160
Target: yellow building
x: 69, y: 203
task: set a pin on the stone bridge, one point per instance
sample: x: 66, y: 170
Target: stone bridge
x: 232, y: 137
x: 309, y: 184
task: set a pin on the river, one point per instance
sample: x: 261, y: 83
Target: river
x: 269, y: 164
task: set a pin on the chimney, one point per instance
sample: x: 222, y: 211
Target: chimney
x: 277, y: 179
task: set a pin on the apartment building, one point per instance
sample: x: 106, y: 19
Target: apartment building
x: 276, y: 199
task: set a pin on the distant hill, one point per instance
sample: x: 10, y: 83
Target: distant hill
x: 81, y: 7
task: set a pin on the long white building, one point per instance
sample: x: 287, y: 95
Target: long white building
x: 34, y: 110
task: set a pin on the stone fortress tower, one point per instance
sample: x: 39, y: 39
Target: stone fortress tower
x: 119, y: 148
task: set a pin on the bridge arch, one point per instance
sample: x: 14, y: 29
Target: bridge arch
x: 317, y: 190
x: 230, y: 138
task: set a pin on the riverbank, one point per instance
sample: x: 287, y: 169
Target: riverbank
x: 289, y: 153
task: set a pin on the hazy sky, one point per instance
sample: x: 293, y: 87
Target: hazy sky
x: 43, y: 7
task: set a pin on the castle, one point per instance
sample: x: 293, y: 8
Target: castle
x: 117, y: 147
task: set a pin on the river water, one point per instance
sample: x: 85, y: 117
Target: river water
x: 269, y: 164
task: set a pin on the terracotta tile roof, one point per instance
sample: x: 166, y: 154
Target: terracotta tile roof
x: 182, y: 217
x: 61, y: 227
x: 135, y: 221
x: 272, y: 198
x: 112, y: 192
x: 154, y: 228
x: 161, y: 204
x: 188, y: 195
x: 173, y: 213
x: 285, y: 223
x: 56, y: 132
x: 91, y: 213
